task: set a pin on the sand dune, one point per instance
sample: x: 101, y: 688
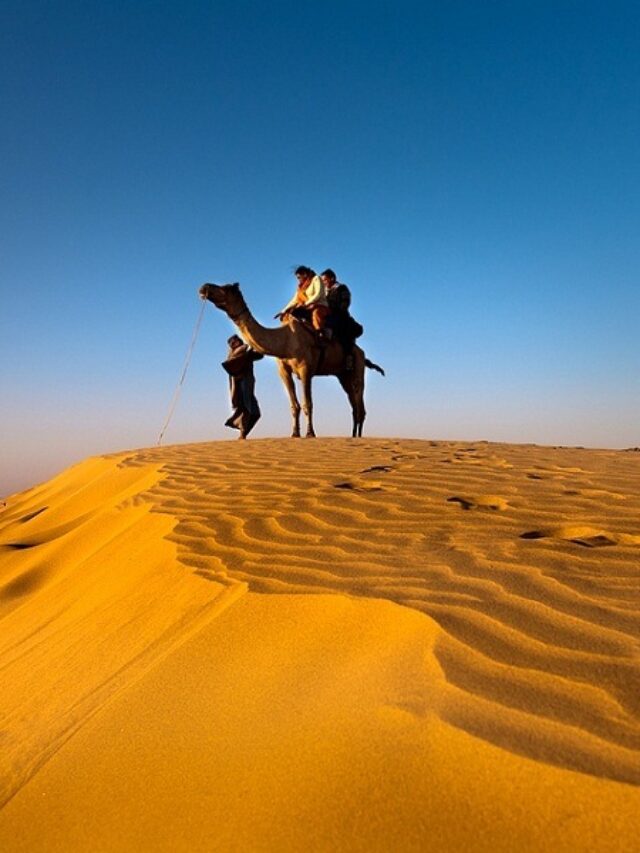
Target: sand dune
x: 381, y: 644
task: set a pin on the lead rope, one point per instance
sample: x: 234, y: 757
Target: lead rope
x: 176, y: 393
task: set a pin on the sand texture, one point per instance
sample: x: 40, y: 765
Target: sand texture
x: 323, y: 645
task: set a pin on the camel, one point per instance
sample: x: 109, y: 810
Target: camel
x: 295, y: 346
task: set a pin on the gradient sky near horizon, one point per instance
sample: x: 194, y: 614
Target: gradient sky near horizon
x: 471, y: 170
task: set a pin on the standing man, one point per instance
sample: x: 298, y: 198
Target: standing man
x: 242, y: 383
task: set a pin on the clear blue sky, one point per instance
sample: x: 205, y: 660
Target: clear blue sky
x: 471, y: 170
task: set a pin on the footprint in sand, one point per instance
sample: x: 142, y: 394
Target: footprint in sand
x: 364, y: 486
x: 587, y: 537
x: 463, y: 457
x: 492, y: 502
x: 595, y: 493
x: 402, y: 457
x: 459, y: 458
x: 540, y: 472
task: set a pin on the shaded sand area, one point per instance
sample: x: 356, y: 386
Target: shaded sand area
x: 329, y: 644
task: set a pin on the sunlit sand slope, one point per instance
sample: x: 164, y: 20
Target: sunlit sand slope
x: 439, y: 646
x: 90, y: 595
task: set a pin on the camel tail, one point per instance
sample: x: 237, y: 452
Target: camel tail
x: 373, y: 366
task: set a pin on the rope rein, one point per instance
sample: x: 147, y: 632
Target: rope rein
x: 176, y: 393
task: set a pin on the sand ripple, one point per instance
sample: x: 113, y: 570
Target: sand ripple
x: 527, y: 558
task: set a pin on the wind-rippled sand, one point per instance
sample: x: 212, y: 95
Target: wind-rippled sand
x: 329, y: 644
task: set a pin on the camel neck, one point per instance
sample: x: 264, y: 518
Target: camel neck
x: 264, y: 340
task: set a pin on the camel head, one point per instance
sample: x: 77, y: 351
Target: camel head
x: 226, y: 297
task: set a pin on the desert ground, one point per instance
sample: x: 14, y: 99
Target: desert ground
x: 331, y: 644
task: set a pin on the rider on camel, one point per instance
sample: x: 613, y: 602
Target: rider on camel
x: 309, y: 300
x: 343, y: 327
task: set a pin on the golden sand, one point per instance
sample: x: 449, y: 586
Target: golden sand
x: 323, y: 645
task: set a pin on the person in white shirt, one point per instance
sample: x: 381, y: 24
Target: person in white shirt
x: 310, y: 296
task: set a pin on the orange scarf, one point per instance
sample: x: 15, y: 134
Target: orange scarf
x: 300, y: 297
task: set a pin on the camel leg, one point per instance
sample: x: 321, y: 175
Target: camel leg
x: 307, y: 403
x: 358, y: 393
x: 353, y: 384
x: 287, y: 379
x: 361, y: 413
x: 346, y: 380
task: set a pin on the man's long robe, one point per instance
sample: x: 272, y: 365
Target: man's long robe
x: 239, y: 366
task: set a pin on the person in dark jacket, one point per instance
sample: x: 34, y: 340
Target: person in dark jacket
x: 239, y: 366
x: 345, y: 329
